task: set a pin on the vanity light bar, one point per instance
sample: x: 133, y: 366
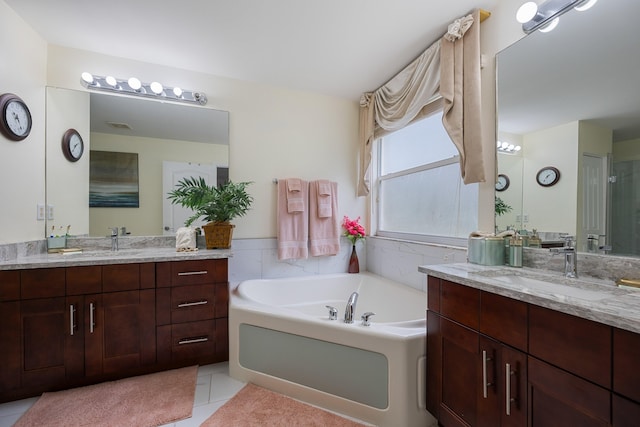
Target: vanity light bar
x: 133, y: 86
x: 505, y: 147
x: 548, y: 11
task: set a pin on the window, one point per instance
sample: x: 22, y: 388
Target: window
x: 420, y: 193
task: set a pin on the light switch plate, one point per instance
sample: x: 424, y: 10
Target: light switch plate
x: 40, y: 212
x: 49, y: 212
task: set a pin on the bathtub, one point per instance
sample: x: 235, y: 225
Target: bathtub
x: 281, y: 338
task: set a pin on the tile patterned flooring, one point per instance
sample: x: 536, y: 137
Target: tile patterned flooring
x: 213, y: 388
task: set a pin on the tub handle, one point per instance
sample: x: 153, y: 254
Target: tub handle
x: 333, y: 312
x: 365, y: 318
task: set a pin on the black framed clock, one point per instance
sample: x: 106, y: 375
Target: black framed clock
x: 548, y: 176
x: 72, y: 145
x: 16, y: 121
x: 502, y: 183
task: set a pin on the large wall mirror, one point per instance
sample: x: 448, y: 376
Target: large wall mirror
x: 162, y: 140
x: 571, y: 99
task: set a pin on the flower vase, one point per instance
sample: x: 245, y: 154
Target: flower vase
x: 354, y: 265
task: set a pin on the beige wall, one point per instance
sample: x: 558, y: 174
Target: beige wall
x: 22, y: 72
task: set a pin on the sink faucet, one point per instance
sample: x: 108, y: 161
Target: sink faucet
x: 351, y: 308
x: 570, y: 257
x: 114, y: 238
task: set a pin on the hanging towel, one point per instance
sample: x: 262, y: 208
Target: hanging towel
x: 324, y: 199
x: 324, y: 232
x: 293, y: 227
x: 295, y: 199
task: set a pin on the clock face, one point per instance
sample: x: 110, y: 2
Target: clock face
x: 16, y: 118
x: 72, y: 145
x: 502, y: 183
x: 548, y: 176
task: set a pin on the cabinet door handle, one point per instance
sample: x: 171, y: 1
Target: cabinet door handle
x: 485, y: 383
x: 72, y: 319
x: 192, y: 340
x: 191, y: 304
x: 507, y: 388
x: 92, y: 318
x: 192, y: 273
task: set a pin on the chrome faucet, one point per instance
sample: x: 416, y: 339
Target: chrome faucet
x: 114, y: 238
x: 570, y: 257
x: 351, y: 308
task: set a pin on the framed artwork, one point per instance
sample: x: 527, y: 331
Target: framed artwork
x: 113, y: 180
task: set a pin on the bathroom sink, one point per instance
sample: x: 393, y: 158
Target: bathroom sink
x: 104, y: 254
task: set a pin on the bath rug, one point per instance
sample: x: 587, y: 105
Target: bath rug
x: 259, y: 407
x: 143, y: 401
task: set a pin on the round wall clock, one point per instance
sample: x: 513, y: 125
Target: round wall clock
x: 502, y: 183
x: 15, y: 123
x: 72, y: 145
x: 548, y: 176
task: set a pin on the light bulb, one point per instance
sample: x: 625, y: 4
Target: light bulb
x: 111, y: 81
x: 87, y: 78
x: 156, y: 88
x: 550, y: 26
x: 586, y: 6
x: 511, y: 147
x: 499, y: 144
x: 526, y: 12
x: 134, y: 83
x: 505, y: 145
x: 177, y: 92
x: 517, y: 148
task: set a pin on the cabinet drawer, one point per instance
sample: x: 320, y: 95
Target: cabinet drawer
x: 196, y: 272
x: 84, y: 280
x: 504, y: 319
x: 460, y: 303
x: 433, y: 294
x: 195, y: 340
x: 9, y: 285
x: 577, y: 345
x: 42, y: 283
x: 194, y: 302
x: 626, y: 354
x: 625, y: 413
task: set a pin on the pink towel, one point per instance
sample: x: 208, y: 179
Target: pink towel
x: 293, y: 227
x: 295, y: 199
x: 324, y: 199
x: 324, y: 232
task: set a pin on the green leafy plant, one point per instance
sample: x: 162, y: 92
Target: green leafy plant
x: 501, y: 207
x: 213, y: 204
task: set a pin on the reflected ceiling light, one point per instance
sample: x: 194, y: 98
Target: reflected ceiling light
x: 526, y: 12
x: 550, y: 26
x: 507, y: 148
x: 547, y: 13
x: 156, y: 88
x: 586, y: 6
x: 134, y: 86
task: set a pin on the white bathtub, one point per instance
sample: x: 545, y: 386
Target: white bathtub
x: 281, y: 338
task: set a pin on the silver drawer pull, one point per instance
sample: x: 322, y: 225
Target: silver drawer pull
x: 193, y: 340
x: 191, y: 304
x: 193, y: 273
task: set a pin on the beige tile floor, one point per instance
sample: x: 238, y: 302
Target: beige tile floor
x: 213, y: 388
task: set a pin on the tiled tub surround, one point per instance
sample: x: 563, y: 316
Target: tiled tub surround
x: 589, y: 298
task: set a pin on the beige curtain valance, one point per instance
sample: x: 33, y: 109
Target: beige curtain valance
x: 416, y: 92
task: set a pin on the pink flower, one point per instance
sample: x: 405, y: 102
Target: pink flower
x: 353, y: 230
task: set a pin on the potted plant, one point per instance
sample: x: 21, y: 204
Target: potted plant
x: 217, y: 205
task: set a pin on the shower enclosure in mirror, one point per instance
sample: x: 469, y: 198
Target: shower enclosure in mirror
x: 570, y: 99
x: 170, y: 140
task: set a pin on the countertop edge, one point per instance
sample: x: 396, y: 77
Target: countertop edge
x: 621, y: 311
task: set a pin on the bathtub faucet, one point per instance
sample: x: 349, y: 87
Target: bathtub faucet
x: 351, y: 308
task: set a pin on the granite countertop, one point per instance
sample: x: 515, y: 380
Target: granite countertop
x: 594, y: 299
x: 102, y: 257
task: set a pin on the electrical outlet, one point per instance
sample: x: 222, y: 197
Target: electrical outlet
x: 518, y: 218
x: 49, y: 212
x: 40, y: 212
x: 526, y: 218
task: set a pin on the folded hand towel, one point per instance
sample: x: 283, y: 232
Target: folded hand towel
x: 324, y: 199
x: 295, y: 201
x: 293, y: 227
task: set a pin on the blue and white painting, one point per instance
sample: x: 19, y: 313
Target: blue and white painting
x: 113, y: 180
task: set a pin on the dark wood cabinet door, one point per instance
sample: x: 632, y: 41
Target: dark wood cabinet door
x: 10, y: 344
x: 434, y: 364
x: 52, y: 341
x: 625, y: 413
x: 123, y: 338
x: 626, y: 354
x: 459, y: 371
x: 558, y: 398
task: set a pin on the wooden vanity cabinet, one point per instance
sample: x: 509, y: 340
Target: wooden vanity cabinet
x: 192, y: 310
x: 473, y: 378
x: 546, y: 367
x: 10, y: 355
